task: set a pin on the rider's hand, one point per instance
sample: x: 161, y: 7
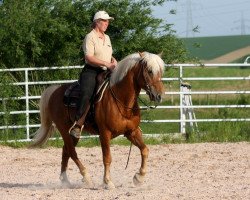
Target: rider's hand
x: 113, y: 60
x: 111, y: 65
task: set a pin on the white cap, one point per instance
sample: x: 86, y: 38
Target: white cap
x: 102, y: 15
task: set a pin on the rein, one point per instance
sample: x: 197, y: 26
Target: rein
x: 145, y: 104
x: 114, y: 96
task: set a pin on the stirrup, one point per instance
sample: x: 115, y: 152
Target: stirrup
x: 70, y: 129
x: 76, y: 134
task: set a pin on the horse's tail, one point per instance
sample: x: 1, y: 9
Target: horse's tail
x: 46, y: 129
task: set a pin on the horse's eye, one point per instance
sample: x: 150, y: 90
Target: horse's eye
x: 150, y: 71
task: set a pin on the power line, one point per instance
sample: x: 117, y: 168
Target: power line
x: 220, y: 6
x: 206, y: 8
x: 243, y: 25
x: 189, y: 25
x: 214, y: 14
x: 191, y: 14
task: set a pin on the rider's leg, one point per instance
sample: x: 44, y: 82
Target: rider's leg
x: 87, y: 85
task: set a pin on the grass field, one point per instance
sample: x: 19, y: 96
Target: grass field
x: 207, y: 48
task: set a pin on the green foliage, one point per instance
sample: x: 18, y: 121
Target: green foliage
x: 222, y: 132
x: 50, y: 32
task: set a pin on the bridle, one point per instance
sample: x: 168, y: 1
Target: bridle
x: 148, y: 89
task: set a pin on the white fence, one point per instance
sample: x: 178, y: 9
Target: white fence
x: 182, y: 93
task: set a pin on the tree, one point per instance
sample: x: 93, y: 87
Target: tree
x: 50, y: 32
x: 36, y: 33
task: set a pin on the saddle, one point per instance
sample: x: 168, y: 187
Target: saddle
x: 73, y: 93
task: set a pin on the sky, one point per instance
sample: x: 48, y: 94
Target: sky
x: 213, y: 17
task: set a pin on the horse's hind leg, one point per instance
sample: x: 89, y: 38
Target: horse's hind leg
x: 65, y: 160
x: 83, y: 170
x: 69, y: 151
x: 136, y: 138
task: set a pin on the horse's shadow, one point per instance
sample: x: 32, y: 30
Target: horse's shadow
x: 36, y: 186
x: 21, y: 185
x: 39, y: 186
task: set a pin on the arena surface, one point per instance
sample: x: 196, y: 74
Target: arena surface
x: 175, y: 171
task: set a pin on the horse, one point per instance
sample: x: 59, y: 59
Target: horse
x: 117, y: 113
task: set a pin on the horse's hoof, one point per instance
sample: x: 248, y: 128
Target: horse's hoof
x: 65, y: 183
x: 64, y: 179
x: 88, y: 181
x: 138, y: 179
x: 109, y: 186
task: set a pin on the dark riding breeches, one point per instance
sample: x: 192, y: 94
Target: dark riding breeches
x: 87, y: 82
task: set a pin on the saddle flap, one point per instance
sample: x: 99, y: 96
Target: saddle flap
x: 73, y: 90
x: 72, y: 95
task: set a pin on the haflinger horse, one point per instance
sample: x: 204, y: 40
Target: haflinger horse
x: 117, y: 113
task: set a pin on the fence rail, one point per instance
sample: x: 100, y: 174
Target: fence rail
x: 27, y: 83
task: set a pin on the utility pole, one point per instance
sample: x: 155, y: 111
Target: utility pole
x: 189, y: 26
x: 243, y: 25
x: 190, y: 29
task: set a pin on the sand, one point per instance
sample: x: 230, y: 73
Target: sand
x: 175, y: 171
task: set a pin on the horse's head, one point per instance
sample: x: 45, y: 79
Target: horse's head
x: 151, y: 68
x: 146, y: 69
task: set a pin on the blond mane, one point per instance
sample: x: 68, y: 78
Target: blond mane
x: 154, y: 62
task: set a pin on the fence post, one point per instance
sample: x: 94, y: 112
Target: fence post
x: 188, y: 111
x: 27, y: 104
x: 182, y: 114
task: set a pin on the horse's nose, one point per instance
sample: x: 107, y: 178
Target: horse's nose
x: 158, y: 98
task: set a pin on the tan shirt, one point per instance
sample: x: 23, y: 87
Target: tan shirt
x: 95, y: 46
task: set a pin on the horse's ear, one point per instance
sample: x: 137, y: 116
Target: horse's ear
x: 160, y: 54
x: 141, y: 54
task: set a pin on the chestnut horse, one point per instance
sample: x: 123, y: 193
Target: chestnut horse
x: 117, y: 113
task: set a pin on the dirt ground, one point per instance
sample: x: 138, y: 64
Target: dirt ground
x: 175, y: 171
x: 231, y: 56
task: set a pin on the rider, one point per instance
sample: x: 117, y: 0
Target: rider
x: 98, y: 56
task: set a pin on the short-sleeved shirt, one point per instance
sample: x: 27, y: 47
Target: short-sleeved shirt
x: 95, y: 46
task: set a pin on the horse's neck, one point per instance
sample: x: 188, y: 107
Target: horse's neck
x: 127, y: 91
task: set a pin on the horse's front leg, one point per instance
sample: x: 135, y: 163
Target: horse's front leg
x: 64, y: 165
x: 136, y: 138
x: 105, y: 143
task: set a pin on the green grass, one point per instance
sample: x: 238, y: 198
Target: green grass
x: 210, y: 72
x: 212, y: 47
